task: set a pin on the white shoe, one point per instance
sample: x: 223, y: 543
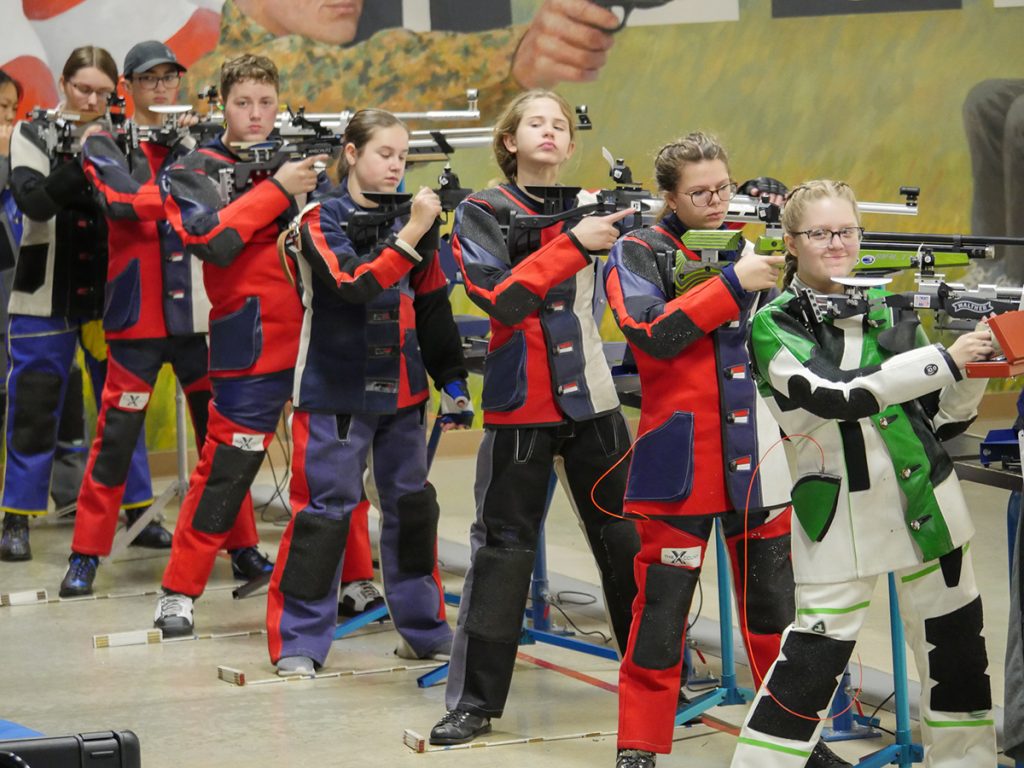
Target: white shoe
x: 174, y: 615
x: 295, y: 666
x: 358, y: 597
x: 405, y: 651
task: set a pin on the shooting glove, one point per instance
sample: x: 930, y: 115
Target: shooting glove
x: 456, y: 407
x: 765, y: 185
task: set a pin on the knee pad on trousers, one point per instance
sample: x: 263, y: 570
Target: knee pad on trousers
x: 117, y: 444
x: 199, y: 408
x: 668, y: 591
x: 418, y: 514
x: 231, y: 473
x: 803, y: 682
x: 501, y: 580
x: 314, y: 553
x: 37, y: 397
x: 958, y: 660
x: 771, y: 606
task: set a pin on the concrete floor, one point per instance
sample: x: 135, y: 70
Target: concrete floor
x: 54, y: 681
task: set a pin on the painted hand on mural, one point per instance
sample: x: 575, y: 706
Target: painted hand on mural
x: 567, y: 40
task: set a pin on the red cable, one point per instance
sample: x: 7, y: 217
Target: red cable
x: 746, y: 566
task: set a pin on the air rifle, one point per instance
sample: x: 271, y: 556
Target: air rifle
x: 299, y: 138
x: 522, y: 232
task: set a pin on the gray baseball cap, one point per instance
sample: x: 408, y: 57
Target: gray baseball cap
x: 146, y: 55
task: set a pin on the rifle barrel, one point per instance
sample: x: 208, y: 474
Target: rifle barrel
x: 956, y: 241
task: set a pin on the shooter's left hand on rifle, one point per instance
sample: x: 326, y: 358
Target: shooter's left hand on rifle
x: 765, y: 185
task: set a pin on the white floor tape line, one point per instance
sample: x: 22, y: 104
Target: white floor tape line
x: 418, y: 743
x: 41, y: 596
x: 155, y: 636
x: 238, y: 677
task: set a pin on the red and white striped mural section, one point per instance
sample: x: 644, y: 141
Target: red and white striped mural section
x: 36, y: 36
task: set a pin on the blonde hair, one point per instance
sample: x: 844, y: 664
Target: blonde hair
x: 508, y: 122
x: 795, y: 209
x: 692, y: 148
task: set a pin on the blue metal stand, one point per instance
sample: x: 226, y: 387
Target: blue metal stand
x: 539, y: 629
x: 358, y: 622
x: 727, y: 691
x: 847, y: 725
x: 904, y: 752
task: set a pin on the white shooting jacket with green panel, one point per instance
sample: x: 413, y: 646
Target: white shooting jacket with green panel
x: 876, y: 397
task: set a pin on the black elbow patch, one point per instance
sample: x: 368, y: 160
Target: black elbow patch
x: 771, y: 604
x: 120, y: 435
x: 497, y: 572
x: 121, y: 211
x: 514, y: 303
x: 957, y: 662
x: 315, y: 552
x: 231, y: 473
x: 832, y: 403
x: 36, y: 399
x: 418, y: 514
x: 673, y: 333
x: 802, y: 680
x: 220, y: 249
x: 668, y: 591
x: 952, y: 429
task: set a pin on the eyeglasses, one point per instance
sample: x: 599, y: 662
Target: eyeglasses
x: 150, y: 82
x: 847, y: 235
x: 87, y: 90
x: 702, y: 198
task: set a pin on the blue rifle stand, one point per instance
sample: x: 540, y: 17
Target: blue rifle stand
x: 904, y: 752
x: 727, y: 691
x: 846, y: 725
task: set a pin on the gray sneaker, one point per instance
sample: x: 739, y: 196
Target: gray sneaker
x: 174, y: 615
x: 295, y: 666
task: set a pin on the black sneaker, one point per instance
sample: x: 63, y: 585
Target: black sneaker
x: 81, y: 573
x: 823, y: 757
x: 14, y: 542
x: 634, y: 758
x: 459, y: 727
x: 153, y: 536
x: 174, y: 615
x: 249, y: 563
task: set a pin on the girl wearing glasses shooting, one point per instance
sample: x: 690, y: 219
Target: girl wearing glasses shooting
x: 703, y: 431
x: 57, y: 298
x: 875, y: 492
